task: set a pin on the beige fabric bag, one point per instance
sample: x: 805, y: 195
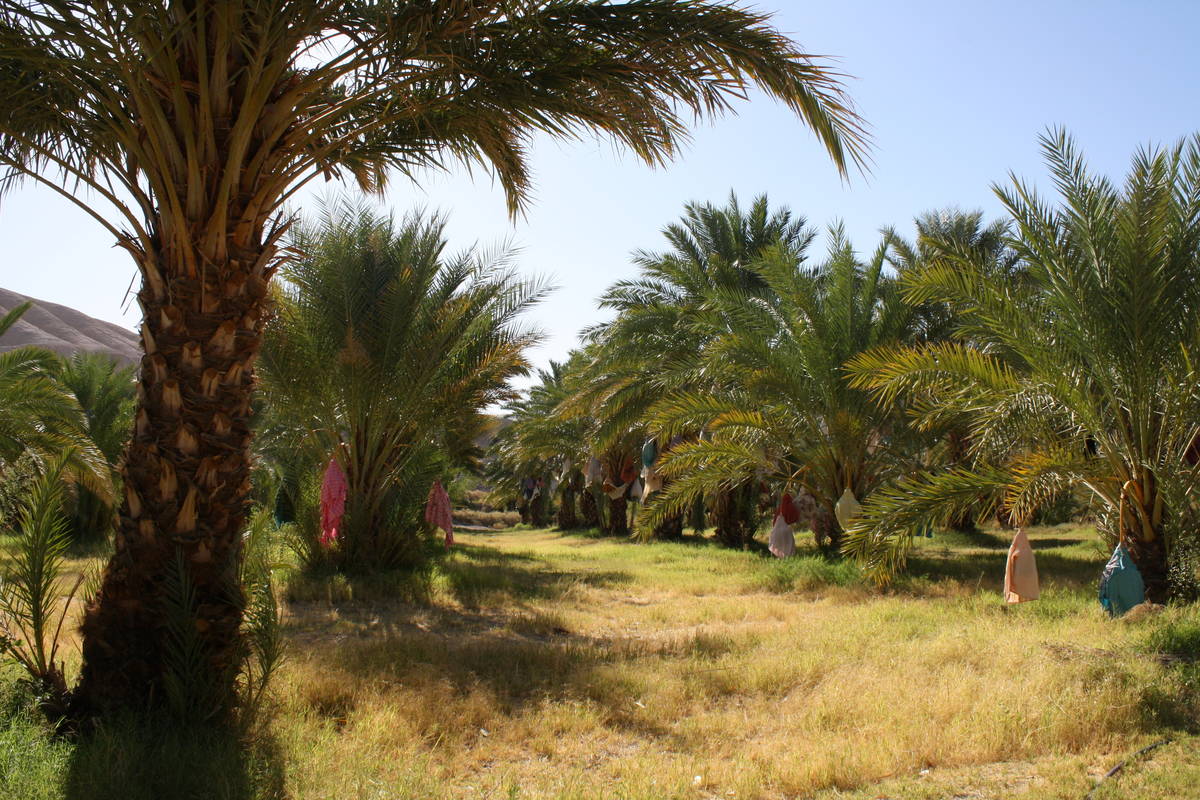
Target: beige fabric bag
x: 653, y: 480
x: 1020, y: 573
x: 847, y: 508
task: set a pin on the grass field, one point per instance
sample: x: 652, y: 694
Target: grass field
x: 536, y: 665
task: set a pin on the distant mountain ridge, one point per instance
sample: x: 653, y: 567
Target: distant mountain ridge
x: 65, y: 330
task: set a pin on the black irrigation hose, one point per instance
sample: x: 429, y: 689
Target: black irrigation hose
x: 1121, y: 766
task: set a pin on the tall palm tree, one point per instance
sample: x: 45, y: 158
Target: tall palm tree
x: 191, y: 123
x: 937, y: 321
x: 784, y: 409
x: 665, y: 317
x: 1080, y: 371
x: 381, y: 350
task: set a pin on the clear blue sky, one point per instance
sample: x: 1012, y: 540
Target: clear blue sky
x: 956, y: 94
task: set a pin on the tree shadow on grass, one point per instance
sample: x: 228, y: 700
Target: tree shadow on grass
x: 479, y: 576
x: 138, y: 759
x: 1070, y: 571
x: 518, y: 666
x: 474, y: 575
x: 500, y: 637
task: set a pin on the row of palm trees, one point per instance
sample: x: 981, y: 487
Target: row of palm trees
x: 977, y: 370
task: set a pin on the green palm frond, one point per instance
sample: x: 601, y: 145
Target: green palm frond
x: 1072, y: 365
x: 383, y: 351
x: 882, y: 535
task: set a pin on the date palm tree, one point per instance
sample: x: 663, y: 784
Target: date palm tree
x: 666, y: 316
x: 105, y: 391
x: 42, y: 422
x: 1077, y: 371
x: 381, y: 351
x: 784, y: 408
x: 191, y: 122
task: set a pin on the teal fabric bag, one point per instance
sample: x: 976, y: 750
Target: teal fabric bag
x: 1121, y: 586
x: 649, y: 453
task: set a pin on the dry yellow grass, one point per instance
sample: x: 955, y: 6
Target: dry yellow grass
x: 567, y: 667
x: 537, y: 665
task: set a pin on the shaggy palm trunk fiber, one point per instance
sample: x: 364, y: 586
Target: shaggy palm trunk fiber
x: 735, y: 516
x: 618, y: 516
x: 696, y: 520
x: 588, y: 509
x: 1151, y: 560
x: 567, y: 520
x: 539, y: 510
x: 669, y: 529
x: 826, y: 529
x: 169, y: 609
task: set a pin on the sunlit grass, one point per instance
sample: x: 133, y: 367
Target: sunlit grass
x: 532, y: 664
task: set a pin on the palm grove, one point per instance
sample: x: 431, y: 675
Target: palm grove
x: 974, y: 370
x: 191, y: 124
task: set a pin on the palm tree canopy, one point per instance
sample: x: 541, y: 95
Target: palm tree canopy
x: 191, y: 108
x: 383, y: 352
x: 1076, y: 367
x: 105, y: 391
x: 784, y: 404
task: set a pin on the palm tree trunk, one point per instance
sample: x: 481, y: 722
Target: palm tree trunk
x: 734, y: 515
x: 618, y: 516
x: 186, y: 474
x: 826, y: 529
x: 588, y: 508
x: 566, y: 510
x: 1150, y: 557
x: 670, y: 529
x: 696, y: 517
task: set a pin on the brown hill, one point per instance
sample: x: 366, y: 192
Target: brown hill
x: 65, y: 330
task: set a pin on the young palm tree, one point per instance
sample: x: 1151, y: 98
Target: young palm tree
x: 40, y: 420
x: 785, y: 409
x: 380, y: 351
x: 105, y: 392
x: 191, y: 123
x: 1079, y: 371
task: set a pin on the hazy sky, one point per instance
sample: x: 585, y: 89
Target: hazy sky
x: 956, y: 94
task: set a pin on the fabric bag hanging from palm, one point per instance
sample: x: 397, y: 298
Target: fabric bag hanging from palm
x: 783, y: 541
x: 1121, y: 584
x: 1020, y: 571
x: 653, y: 481
x: 847, y: 508
x: 594, y: 472
x: 649, y: 453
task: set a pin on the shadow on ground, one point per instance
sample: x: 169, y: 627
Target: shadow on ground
x: 1068, y: 562
x: 139, y: 760
x: 477, y: 576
